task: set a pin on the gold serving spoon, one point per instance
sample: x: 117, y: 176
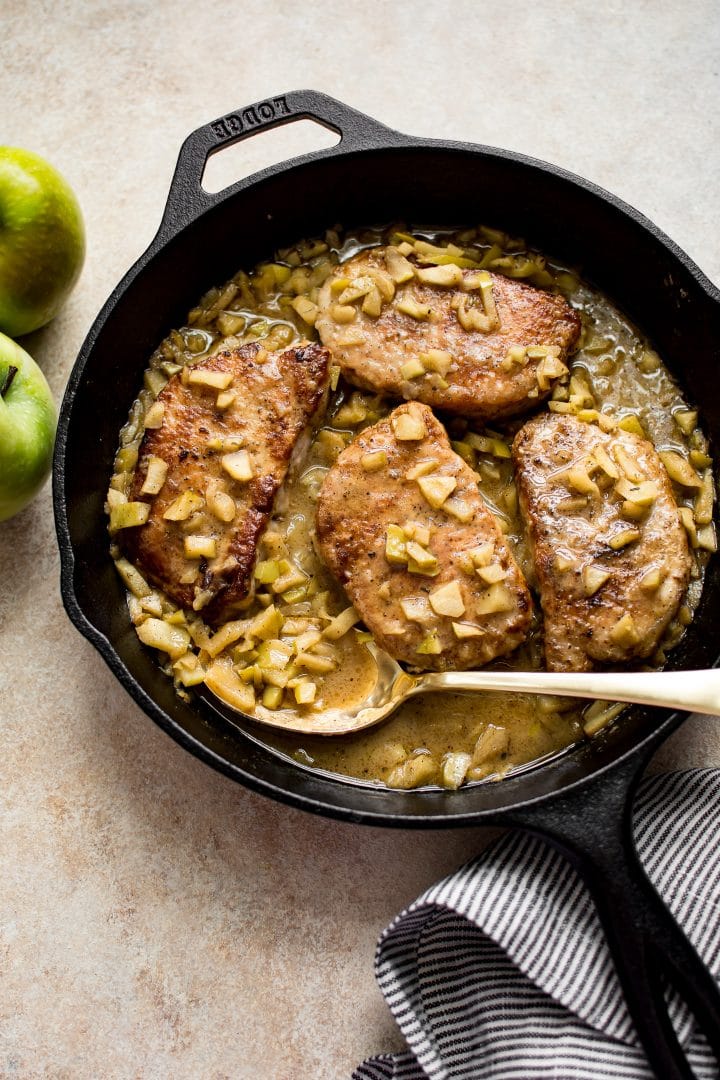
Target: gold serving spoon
x: 691, y: 691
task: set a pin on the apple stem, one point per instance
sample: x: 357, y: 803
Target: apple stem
x: 7, y: 381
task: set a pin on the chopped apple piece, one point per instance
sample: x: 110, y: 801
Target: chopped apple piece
x: 436, y: 488
x: 448, y: 600
x: 238, y: 466
x: 409, y: 428
x: 186, y: 504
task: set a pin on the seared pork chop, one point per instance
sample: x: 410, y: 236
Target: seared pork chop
x: 482, y: 345
x: 611, y: 555
x: 228, y: 427
x: 402, y: 525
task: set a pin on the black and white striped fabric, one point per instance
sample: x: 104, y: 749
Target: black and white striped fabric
x: 501, y: 970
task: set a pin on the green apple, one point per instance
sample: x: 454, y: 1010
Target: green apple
x: 27, y: 428
x: 42, y: 241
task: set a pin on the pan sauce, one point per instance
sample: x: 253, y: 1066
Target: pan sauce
x: 444, y: 739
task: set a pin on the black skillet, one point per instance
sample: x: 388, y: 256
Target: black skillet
x: 580, y: 801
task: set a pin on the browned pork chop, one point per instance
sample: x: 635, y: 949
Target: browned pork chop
x: 409, y: 339
x: 611, y: 555
x: 402, y: 525
x: 228, y: 429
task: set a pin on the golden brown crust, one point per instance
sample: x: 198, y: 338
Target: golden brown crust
x: 277, y: 396
x: 583, y: 630
x: 478, y: 386
x: 354, y: 510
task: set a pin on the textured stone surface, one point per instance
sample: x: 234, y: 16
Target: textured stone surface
x: 155, y: 919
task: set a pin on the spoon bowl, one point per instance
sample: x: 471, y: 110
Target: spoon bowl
x: 690, y: 691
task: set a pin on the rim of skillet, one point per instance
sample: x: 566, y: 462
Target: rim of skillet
x: 328, y: 794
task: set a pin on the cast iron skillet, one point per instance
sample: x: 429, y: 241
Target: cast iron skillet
x: 580, y: 801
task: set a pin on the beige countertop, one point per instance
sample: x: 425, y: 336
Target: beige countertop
x: 157, y: 920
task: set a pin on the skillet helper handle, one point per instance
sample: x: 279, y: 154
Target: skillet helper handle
x: 593, y: 829
x: 187, y: 198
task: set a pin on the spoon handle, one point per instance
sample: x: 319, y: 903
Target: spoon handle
x: 692, y: 691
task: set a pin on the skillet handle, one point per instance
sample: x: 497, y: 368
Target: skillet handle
x: 593, y: 829
x: 187, y: 198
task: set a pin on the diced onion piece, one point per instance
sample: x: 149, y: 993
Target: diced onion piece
x: 212, y: 380
x: 186, y: 504
x: 238, y: 465
x: 624, y: 633
x: 497, y: 598
x: 448, y: 600
x: 463, y: 630
x: 222, y: 680
x: 132, y: 578
x: 436, y: 488
x: 448, y: 276
x: 408, y: 427
x: 154, y: 416
x: 200, y: 547
x: 419, y: 312
x: 173, y: 640
x: 454, y: 769
x: 593, y: 578
x: 340, y: 625
x: 128, y: 515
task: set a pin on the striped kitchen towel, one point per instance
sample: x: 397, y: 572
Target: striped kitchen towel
x: 501, y: 970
